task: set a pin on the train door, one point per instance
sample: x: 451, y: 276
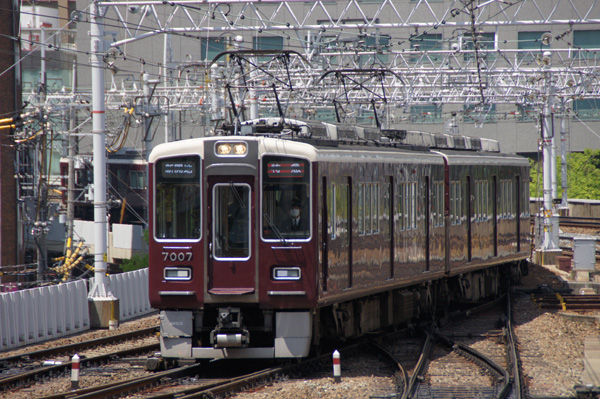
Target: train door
x: 231, y: 266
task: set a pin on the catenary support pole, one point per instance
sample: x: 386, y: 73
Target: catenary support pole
x: 564, y: 133
x: 102, y: 301
x: 549, y: 250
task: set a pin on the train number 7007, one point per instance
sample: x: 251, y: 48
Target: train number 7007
x: 177, y: 256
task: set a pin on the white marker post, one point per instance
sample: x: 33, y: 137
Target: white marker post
x: 337, y: 368
x: 75, y: 372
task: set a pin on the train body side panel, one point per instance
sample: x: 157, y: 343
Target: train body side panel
x: 291, y: 294
x: 164, y: 254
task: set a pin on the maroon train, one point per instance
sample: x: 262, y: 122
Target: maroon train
x: 264, y: 243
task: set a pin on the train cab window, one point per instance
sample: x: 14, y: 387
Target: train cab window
x: 285, y: 198
x: 177, y: 198
x: 231, y: 221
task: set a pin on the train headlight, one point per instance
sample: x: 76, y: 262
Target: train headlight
x: 240, y: 149
x: 178, y: 273
x: 286, y: 273
x: 223, y: 149
x: 231, y: 149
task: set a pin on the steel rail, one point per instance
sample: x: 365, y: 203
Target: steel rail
x: 513, y: 355
x: 79, y: 346
x: 396, y: 362
x: 23, y: 378
x: 419, y: 369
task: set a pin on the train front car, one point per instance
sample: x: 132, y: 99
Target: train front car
x: 230, y: 247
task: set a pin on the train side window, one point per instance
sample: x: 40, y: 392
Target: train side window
x: 506, y: 208
x: 331, y: 211
x: 360, y: 209
x: 385, y: 206
x: 368, y: 209
x: 341, y: 209
x: 413, y: 205
x: 456, y: 202
x: 498, y: 199
x: 477, y: 199
x: 438, y: 204
x: 486, y: 202
x: 400, y: 205
x: 409, y: 210
x: 511, y: 200
x: 375, y: 210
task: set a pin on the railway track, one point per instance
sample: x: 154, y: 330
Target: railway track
x: 567, y: 302
x: 167, y: 384
x: 23, y: 369
x: 454, y: 351
x: 573, y: 221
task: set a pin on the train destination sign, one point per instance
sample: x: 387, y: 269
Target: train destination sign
x: 179, y: 169
x: 285, y: 169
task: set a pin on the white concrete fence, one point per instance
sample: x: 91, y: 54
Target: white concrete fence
x: 43, y: 313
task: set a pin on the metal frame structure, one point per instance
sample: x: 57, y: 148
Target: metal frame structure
x: 472, y: 76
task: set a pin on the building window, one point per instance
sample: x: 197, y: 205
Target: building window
x: 428, y: 113
x: 584, y: 39
x: 527, y: 113
x: 479, y: 114
x: 267, y: 43
x: 211, y: 47
x: 377, y: 43
x: 426, y: 42
x: 485, y: 40
x: 587, y: 109
x: 137, y: 179
x: 530, y: 41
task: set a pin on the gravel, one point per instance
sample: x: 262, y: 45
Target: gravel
x: 550, y: 344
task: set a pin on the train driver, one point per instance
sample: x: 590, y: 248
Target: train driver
x: 297, y: 221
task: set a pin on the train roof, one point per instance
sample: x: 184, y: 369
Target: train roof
x: 324, y: 133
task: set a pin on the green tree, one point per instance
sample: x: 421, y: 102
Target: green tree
x: 583, y: 177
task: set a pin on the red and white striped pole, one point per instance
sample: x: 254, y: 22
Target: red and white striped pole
x: 337, y: 368
x: 75, y: 372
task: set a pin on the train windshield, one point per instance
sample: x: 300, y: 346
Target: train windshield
x: 177, y: 198
x: 285, y: 198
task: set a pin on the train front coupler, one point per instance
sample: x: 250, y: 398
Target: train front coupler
x: 230, y: 331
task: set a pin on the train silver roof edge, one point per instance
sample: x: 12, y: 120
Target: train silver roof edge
x: 290, y: 128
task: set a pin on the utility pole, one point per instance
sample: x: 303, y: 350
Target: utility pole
x: 168, y: 75
x: 40, y: 227
x: 71, y: 160
x: 103, y: 305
